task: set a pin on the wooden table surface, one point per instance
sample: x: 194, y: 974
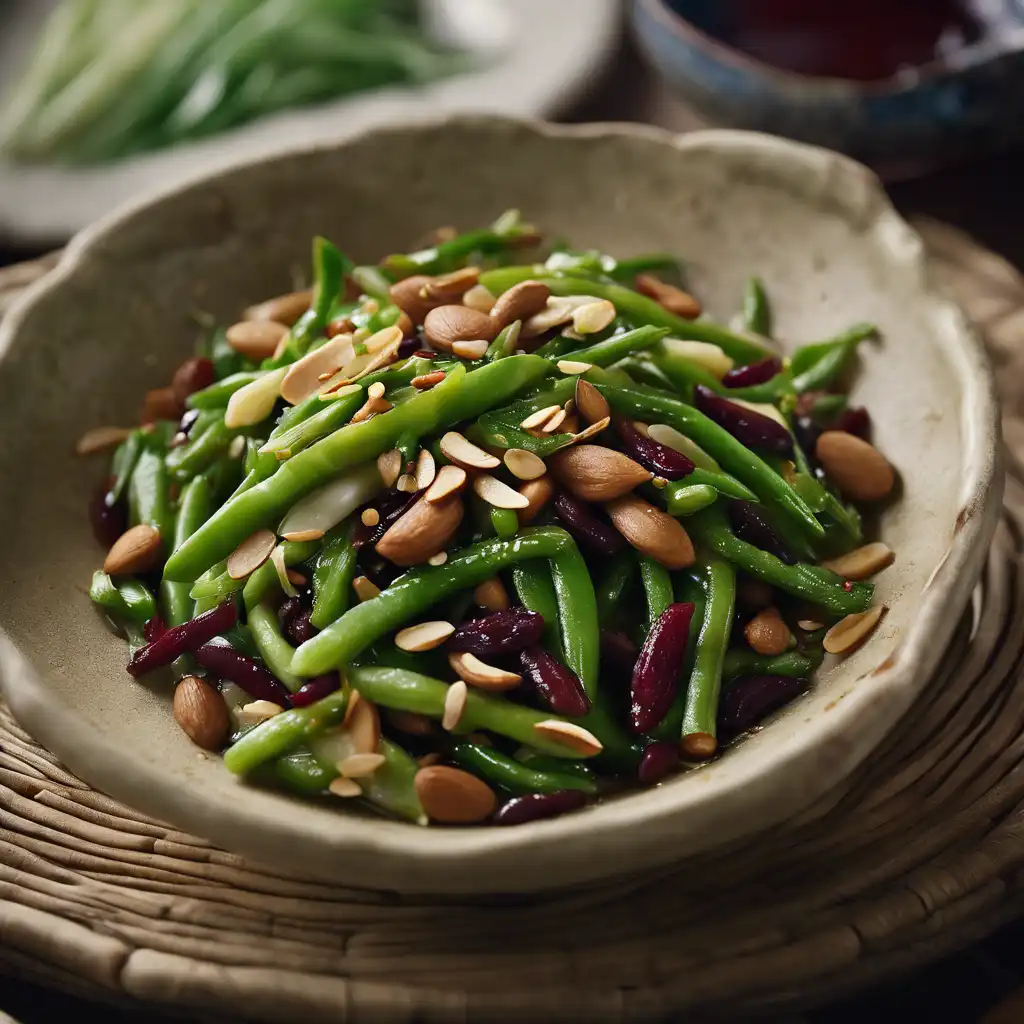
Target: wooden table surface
x: 983, y: 198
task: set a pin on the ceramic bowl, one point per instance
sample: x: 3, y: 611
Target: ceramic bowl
x: 117, y: 316
x: 902, y: 125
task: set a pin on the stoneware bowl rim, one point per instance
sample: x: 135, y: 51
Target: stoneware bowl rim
x: 388, y: 855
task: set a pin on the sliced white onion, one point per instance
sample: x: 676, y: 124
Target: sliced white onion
x: 255, y: 402
x: 327, y: 506
x: 710, y: 357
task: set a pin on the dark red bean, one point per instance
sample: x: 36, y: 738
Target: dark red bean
x: 287, y: 612
x: 154, y: 629
x: 807, y: 432
x: 618, y: 652
x: 425, y: 353
x: 187, y: 637
x: 748, y: 427
x: 225, y: 662
x: 498, y: 633
x: 535, y: 806
x: 754, y: 373
x: 856, y: 421
x: 557, y: 686
x: 408, y: 347
x: 659, y: 759
x: 108, y: 521
x: 583, y: 523
x: 316, y: 689
x: 658, y: 458
x: 749, y: 523
x: 193, y: 375
x: 300, y: 629
x: 750, y: 699
x: 656, y: 675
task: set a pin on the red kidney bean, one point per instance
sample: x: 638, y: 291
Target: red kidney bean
x: 409, y: 347
x: 750, y: 699
x: 583, y: 523
x: 557, y: 686
x: 287, y: 612
x: 656, y: 675
x: 659, y: 760
x: 108, y: 521
x: 749, y: 523
x: 658, y: 458
x: 193, y: 375
x: 425, y: 353
x: 498, y: 633
x: 316, y: 689
x: 187, y: 637
x: 300, y: 629
x: 754, y: 373
x: 856, y: 421
x: 154, y: 629
x: 535, y: 806
x: 748, y: 427
x: 807, y: 433
x: 618, y: 652
x: 225, y: 662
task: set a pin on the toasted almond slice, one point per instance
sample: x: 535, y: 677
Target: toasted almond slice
x: 376, y: 390
x: 372, y: 359
x: 559, y: 310
x: 297, y: 579
x: 389, y: 465
x: 385, y: 338
x: 849, y: 633
x: 593, y: 430
x: 258, y: 711
x: 362, y: 723
x: 302, y: 535
x: 237, y: 448
x: 366, y: 590
x: 570, y: 735
x: 470, y: 349
x: 430, y: 759
x: 251, y: 554
x: 810, y: 625
x: 492, y: 595
x: 537, y: 494
x: 863, y: 562
x: 255, y: 402
x: 498, y: 494
x: 369, y: 517
x: 540, y: 417
x: 357, y: 766
x: 572, y: 366
x: 285, y: 309
x: 428, y: 380
x: 256, y: 339
x: 454, y: 705
x: 306, y: 375
x: 465, y: 453
x: 371, y: 407
x: 524, y: 465
x: 277, y: 560
x: 470, y: 669
x: 593, y: 406
x: 593, y: 317
x: 451, y: 286
x: 449, y: 479
x: 555, y: 422
x: 406, y: 483
x: 345, y: 788
x: 424, y: 636
x: 704, y: 354
x: 100, y: 439
x: 479, y: 298
x: 426, y: 469
x: 439, y: 559
x: 136, y: 550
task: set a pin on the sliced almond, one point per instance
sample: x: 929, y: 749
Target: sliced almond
x: 251, y: 554
x: 849, y: 633
x: 299, y: 536
x: 555, y: 423
x: 859, y: 469
x: 454, y: 705
x: 366, y: 589
x: 369, y: 517
x: 277, y: 560
x: 671, y: 438
x: 237, y: 448
x: 598, y: 427
x: 332, y: 396
x: 498, y: 494
x: 810, y: 625
x: 592, y: 405
x: 253, y: 403
x: 448, y: 324
x: 376, y: 390
x: 675, y: 300
x: 201, y: 712
x: 426, y: 469
x: 572, y: 366
x: 345, y: 788
x: 362, y: 724
x: 258, y: 711
x: 454, y: 797
x: 862, y: 563
x: 452, y: 286
x: 449, y: 480
x: 137, y: 550
x: 492, y: 595
x: 537, y: 419
x: 558, y: 310
x: 422, y: 531
x: 100, y: 439
x: 381, y: 349
x: 766, y: 633
x: 593, y: 317
x: 256, y: 339
x: 596, y: 473
x: 524, y: 465
x: 385, y: 338
x: 371, y: 407
x: 439, y: 559
x: 389, y: 465
x: 406, y: 483
x: 520, y: 302
x: 358, y: 766
x: 470, y: 669
x: 537, y: 494
x: 424, y: 636
x: 701, y: 353
x: 428, y: 380
x: 479, y: 298
x: 470, y: 349
x: 465, y: 453
x: 285, y: 309
x: 651, y: 531
x: 570, y: 735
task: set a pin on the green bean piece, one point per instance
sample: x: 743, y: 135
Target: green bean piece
x: 128, y: 600
x: 329, y: 269
x: 687, y: 590
x: 329, y: 417
x: 545, y: 763
x: 226, y: 361
x: 643, y: 373
x: 532, y: 583
x: 216, y: 396
x: 264, y: 582
x: 505, y: 343
x: 683, y: 499
x: 757, y: 312
x: 512, y: 776
x: 393, y: 785
x: 216, y: 587
x: 611, y: 591
x: 701, y: 714
x: 750, y: 663
x: 408, y: 691
x: 683, y: 374
x: 125, y: 458
x: 148, y: 499
x: 604, y: 353
x: 333, y: 575
x: 201, y: 451
x: 657, y: 584
x: 194, y: 508
x: 815, y: 367
x: 448, y: 256
x: 283, y: 733
x: 240, y: 637
x: 300, y: 772
x: 504, y: 521
x: 372, y: 282
x: 810, y: 582
x: 276, y: 652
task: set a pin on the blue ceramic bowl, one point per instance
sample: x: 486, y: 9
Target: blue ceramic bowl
x: 934, y: 113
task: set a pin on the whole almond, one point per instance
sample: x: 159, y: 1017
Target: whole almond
x: 520, y: 302
x: 99, y: 439
x: 422, y: 531
x: 538, y: 493
x: 161, y: 404
x: 201, y: 712
x: 451, y: 287
x: 849, y: 633
x: 408, y: 296
x: 857, y: 468
x: 862, y: 562
x: 256, y: 339
x: 454, y: 797
x: 675, y: 300
x: 448, y: 324
x: 136, y: 550
x: 285, y: 309
x: 594, y: 473
x: 592, y: 405
x: 766, y: 633
x: 651, y: 531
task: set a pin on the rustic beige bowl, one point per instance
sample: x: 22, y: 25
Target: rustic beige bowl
x: 117, y: 316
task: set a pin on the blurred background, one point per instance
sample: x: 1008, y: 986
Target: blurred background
x: 105, y: 100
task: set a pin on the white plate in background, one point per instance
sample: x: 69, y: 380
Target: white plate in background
x: 537, y: 58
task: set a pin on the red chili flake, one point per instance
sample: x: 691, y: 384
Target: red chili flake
x: 847, y: 586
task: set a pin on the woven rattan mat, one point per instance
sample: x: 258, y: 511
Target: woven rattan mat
x: 920, y: 853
